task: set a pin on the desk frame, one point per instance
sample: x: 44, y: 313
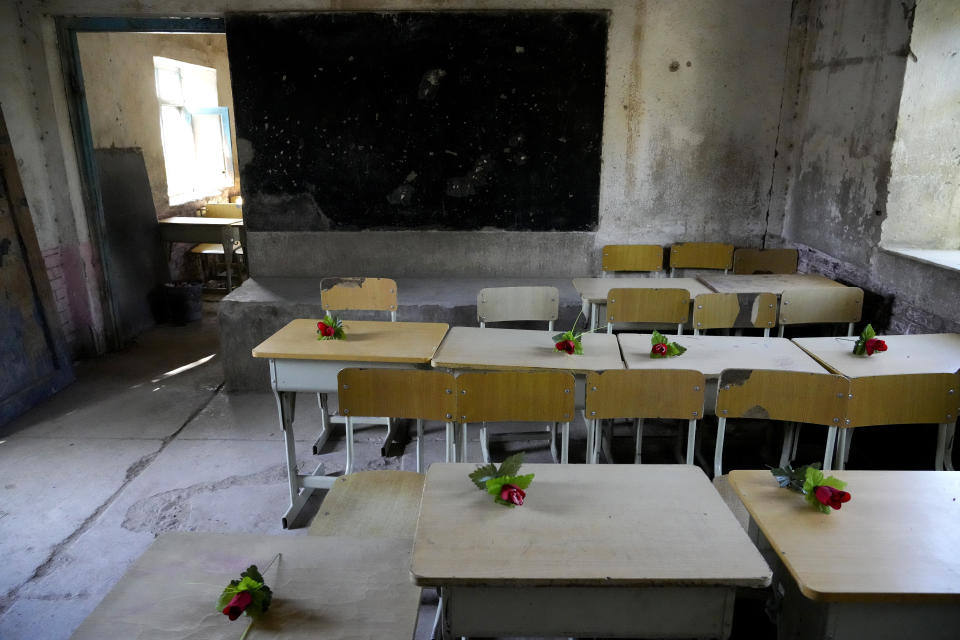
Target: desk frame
x: 226, y: 231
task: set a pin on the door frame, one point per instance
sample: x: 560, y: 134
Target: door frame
x: 67, y: 29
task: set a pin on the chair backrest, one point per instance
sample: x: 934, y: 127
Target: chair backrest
x: 632, y: 257
x: 522, y: 396
x: 637, y: 393
x: 221, y: 210
x: 370, y: 294
x: 503, y: 304
x: 821, y: 304
x: 904, y: 399
x: 701, y: 255
x: 816, y: 398
x: 734, y: 310
x: 648, y: 305
x: 750, y: 261
x: 398, y: 393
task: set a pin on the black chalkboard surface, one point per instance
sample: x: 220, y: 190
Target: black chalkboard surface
x: 413, y: 120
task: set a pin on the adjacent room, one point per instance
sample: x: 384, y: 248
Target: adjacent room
x: 539, y: 318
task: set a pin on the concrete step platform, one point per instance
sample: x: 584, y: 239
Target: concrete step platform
x: 261, y: 306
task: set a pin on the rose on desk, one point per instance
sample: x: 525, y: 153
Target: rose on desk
x: 874, y: 344
x: 831, y: 496
x: 513, y: 494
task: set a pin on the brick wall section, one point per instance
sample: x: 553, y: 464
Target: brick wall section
x: 52, y: 262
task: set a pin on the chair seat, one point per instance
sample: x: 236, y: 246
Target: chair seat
x: 371, y: 504
x: 213, y: 249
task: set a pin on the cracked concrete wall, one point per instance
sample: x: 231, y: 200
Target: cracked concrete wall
x: 924, y: 206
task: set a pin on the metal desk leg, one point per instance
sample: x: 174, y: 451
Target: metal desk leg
x: 324, y: 423
x: 226, y: 239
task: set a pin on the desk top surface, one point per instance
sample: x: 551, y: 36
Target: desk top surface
x: 583, y: 525
x: 521, y: 349
x: 366, y: 341
x: 596, y: 289
x: 710, y: 355
x: 323, y: 587
x: 922, y: 353
x: 895, y: 540
x: 215, y: 222
x: 764, y: 282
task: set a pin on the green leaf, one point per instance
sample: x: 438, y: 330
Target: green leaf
x: 500, y: 500
x: 860, y: 348
x: 510, y: 466
x: 481, y: 474
x: 868, y: 333
x: 558, y: 337
x: 253, y: 573
x: 657, y: 338
x: 577, y: 347
x: 657, y: 355
x: 680, y: 349
x: 495, y: 485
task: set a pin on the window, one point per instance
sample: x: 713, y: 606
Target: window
x: 195, y: 130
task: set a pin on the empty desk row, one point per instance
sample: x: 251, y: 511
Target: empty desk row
x: 697, y: 255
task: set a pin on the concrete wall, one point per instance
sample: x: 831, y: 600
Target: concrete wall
x: 924, y: 205
x: 851, y: 66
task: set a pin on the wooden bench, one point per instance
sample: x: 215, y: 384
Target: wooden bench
x: 331, y: 587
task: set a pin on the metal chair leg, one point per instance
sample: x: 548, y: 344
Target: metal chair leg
x: 565, y: 443
x: 419, y: 446
x: 718, y: 450
x: 789, y: 430
x: 553, y: 441
x: 484, y: 447
x: 691, y: 440
x: 463, y: 443
x: 349, y: 467
x: 831, y: 444
x: 639, y: 440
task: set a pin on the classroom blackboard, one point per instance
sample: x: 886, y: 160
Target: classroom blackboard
x: 419, y: 120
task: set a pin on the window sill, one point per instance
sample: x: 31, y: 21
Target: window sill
x: 944, y: 258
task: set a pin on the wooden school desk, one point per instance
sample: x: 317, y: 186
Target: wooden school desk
x: 639, y: 551
x: 330, y: 587
x: 911, y: 354
x: 764, y: 282
x: 300, y: 362
x: 473, y: 348
x: 884, y: 566
x: 593, y: 291
x: 226, y: 231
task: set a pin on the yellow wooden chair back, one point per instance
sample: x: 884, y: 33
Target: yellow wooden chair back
x: 821, y: 304
x: 221, y: 210
x: 791, y: 396
x: 522, y: 396
x: 701, y: 255
x: 668, y: 393
x: 632, y: 257
x: 733, y: 310
x: 398, y: 393
x: 904, y: 399
x: 369, y: 294
x: 751, y: 261
x: 648, y: 305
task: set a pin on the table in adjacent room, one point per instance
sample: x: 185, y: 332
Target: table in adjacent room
x: 593, y: 291
x: 226, y: 231
x: 641, y: 551
x: 301, y: 362
x: 884, y: 566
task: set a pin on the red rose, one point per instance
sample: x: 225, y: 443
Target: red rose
x: 874, y: 344
x: 659, y: 349
x: 238, y: 605
x: 512, y: 493
x: 568, y: 346
x: 830, y: 496
x: 325, y: 330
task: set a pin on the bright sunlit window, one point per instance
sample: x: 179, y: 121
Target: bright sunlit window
x: 196, y: 131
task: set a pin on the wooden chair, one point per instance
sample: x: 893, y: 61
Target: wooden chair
x: 923, y: 398
x: 506, y: 304
x: 359, y: 294
x: 790, y: 396
x: 214, y: 250
x: 397, y: 393
x: 750, y: 261
x: 821, y: 305
x: 733, y: 310
x: 353, y: 294
x: 371, y: 504
x: 516, y: 396
x: 667, y: 306
x: 631, y: 257
x: 701, y: 255
x: 673, y: 394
